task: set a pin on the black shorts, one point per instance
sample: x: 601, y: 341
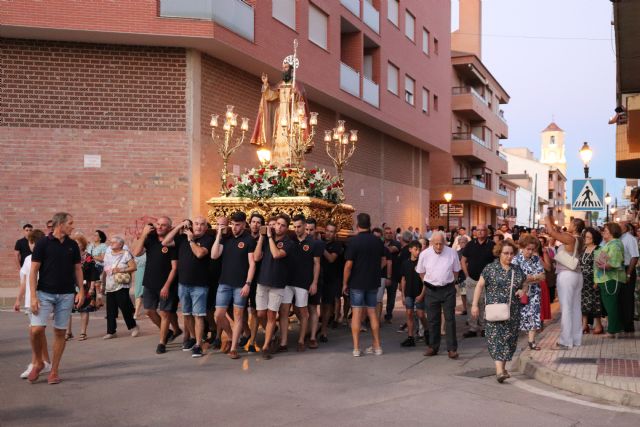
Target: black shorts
x: 330, y: 291
x: 314, y: 299
x: 211, y: 297
x: 151, y: 300
x: 251, y: 300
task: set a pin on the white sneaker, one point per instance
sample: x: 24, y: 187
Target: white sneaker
x: 47, y: 368
x: 135, y: 332
x: 356, y: 353
x: 26, y: 373
x: 371, y: 350
x: 109, y: 336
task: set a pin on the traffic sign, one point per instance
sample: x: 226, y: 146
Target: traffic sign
x: 587, y: 195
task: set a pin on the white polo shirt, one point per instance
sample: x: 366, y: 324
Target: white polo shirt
x: 438, y: 269
x: 630, y: 244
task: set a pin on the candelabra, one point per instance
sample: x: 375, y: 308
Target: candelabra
x: 227, y: 145
x: 340, y: 147
x: 299, y: 132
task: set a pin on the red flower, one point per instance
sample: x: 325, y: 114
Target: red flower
x: 274, y: 181
x: 259, y: 180
x: 290, y: 171
x: 272, y: 167
x: 230, y: 185
x: 312, y: 185
x: 312, y: 171
x: 288, y: 165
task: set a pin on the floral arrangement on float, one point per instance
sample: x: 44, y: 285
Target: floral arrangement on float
x: 273, y: 181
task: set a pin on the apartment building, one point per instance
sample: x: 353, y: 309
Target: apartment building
x: 115, y: 99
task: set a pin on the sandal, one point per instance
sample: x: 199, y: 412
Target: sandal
x: 533, y: 346
x: 82, y: 337
x: 68, y: 337
x: 501, y: 377
x: 233, y: 354
x: 585, y: 330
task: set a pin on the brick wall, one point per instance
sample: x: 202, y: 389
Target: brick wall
x: 76, y: 85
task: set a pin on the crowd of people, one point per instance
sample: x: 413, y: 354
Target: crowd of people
x: 245, y: 273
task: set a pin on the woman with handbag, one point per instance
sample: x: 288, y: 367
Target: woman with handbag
x: 568, y: 280
x: 610, y: 275
x: 591, y: 304
x: 503, y: 282
x: 531, y: 265
x: 118, y: 266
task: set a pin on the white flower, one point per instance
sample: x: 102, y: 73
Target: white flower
x: 323, y: 191
x: 265, y: 185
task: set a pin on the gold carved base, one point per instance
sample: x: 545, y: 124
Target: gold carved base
x: 323, y: 211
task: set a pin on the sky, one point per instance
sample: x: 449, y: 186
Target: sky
x: 556, y: 59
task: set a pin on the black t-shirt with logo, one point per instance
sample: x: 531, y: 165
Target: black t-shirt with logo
x: 193, y: 271
x: 235, y: 259
x: 158, y: 262
x: 22, y: 246
x: 366, y: 251
x: 413, y: 282
x: 302, y: 261
x: 478, y: 255
x: 275, y: 272
x: 58, y: 259
x: 332, y: 271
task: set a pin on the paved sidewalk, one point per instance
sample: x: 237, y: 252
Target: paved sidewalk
x: 604, y: 368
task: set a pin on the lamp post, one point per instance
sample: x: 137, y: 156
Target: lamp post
x: 447, y: 197
x: 586, y: 154
x: 340, y: 146
x: 607, y: 201
x: 226, y: 144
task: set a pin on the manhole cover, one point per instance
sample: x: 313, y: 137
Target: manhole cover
x: 576, y: 360
x: 479, y: 373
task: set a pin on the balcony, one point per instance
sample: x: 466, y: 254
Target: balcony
x: 501, y: 116
x: 501, y: 155
x: 502, y: 192
x: 352, y: 5
x: 472, y: 148
x: 349, y: 80
x: 236, y: 15
x: 463, y: 90
x: 469, y: 181
x: 370, y: 91
x: 467, y: 102
x: 371, y: 16
x: 473, y: 190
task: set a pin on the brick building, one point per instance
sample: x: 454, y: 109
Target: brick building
x: 105, y: 105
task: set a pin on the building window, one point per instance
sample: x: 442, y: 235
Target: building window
x: 393, y: 7
x: 553, y: 139
x: 318, y: 22
x: 285, y: 12
x: 409, y: 26
x: 392, y: 78
x: 425, y: 101
x: 425, y: 41
x: 435, y: 102
x: 409, y: 89
x: 435, y: 45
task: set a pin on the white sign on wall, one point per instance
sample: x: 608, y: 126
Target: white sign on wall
x: 92, y: 161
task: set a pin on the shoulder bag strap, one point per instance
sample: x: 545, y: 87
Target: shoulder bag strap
x: 511, y: 287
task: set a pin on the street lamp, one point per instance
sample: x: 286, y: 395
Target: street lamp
x: 586, y: 154
x: 447, y: 197
x: 607, y: 201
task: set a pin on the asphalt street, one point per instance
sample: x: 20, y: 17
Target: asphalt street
x: 122, y: 382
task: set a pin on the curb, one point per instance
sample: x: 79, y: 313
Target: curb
x: 548, y: 376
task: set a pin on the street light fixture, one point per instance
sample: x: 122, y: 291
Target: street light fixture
x: 607, y: 201
x: 447, y: 197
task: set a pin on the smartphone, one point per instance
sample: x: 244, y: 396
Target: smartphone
x: 263, y: 230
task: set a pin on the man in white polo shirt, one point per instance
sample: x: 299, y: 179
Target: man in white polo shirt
x: 438, y: 267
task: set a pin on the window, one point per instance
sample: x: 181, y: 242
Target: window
x: 425, y: 104
x: 392, y: 78
x: 393, y: 6
x: 425, y: 41
x: 553, y: 139
x: 409, y: 89
x: 285, y: 12
x: 318, y: 22
x: 435, y: 102
x: 409, y: 25
x: 435, y: 46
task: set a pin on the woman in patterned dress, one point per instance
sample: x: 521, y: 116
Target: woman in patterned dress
x: 531, y: 265
x: 591, y: 304
x: 497, y: 277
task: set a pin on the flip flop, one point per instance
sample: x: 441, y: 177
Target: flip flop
x: 53, y: 380
x: 34, y: 374
x: 82, y: 337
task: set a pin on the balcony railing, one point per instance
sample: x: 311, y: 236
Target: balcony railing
x: 371, y: 16
x: 370, y: 91
x: 501, y: 155
x: 502, y: 192
x: 235, y: 15
x: 469, y: 181
x: 468, y: 135
x: 352, y: 5
x: 349, y: 80
x: 464, y: 90
x: 501, y: 116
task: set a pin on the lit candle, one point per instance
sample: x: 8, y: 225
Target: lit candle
x: 245, y: 124
x: 229, y: 113
x: 340, y: 126
x: 345, y: 139
x: 354, y: 135
x: 283, y: 121
x: 336, y: 135
x: 295, y: 118
x: 313, y: 119
x: 328, y: 135
x: 226, y: 125
x: 234, y: 120
x: 301, y: 109
x: 303, y: 123
x: 214, y: 121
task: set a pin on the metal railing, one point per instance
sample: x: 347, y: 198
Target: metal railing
x: 370, y: 92
x: 465, y: 90
x: 352, y: 5
x: 469, y: 181
x: 462, y: 136
x: 371, y: 16
x: 502, y: 192
x: 349, y: 80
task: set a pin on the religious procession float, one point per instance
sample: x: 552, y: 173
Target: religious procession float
x: 284, y: 132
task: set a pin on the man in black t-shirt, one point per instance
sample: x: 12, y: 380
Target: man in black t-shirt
x: 160, y: 279
x: 193, y: 246
x: 238, y: 269
x: 22, y: 247
x: 364, y: 259
x: 304, y: 262
x: 251, y: 326
x: 331, y: 267
x: 315, y: 299
x: 385, y: 273
x: 394, y: 251
x: 413, y: 293
x: 56, y: 271
x: 273, y: 248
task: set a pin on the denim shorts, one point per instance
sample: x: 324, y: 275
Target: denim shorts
x: 411, y: 304
x: 58, y: 304
x: 193, y: 299
x: 361, y: 298
x: 228, y: 294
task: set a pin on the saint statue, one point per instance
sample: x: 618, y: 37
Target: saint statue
x: 277, y: 107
